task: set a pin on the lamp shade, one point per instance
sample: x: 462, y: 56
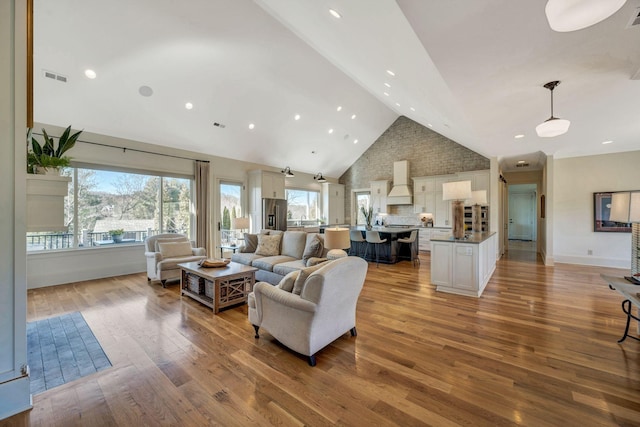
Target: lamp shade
x: 459, y: 190
x: 572, y: 15
x: 479, y: 197
x: 553, y: 126
x: 337, y: 238
x: 239, y: 223
x: 625, y: 207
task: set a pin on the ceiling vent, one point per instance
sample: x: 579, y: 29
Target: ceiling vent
x: 54, y: 76
x: 522, y: 165
x: 635, y: 19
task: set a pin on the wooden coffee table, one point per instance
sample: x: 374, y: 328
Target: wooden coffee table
x: 217, y: 287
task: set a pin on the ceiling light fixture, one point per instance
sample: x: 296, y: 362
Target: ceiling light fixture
x: 90, y: 74
x: 335, y: 14
x: 430, y: 125
x: 251, y: 126
x: 296, y: 117
x: 391, y: 73
x: 412, y: 109
x: 287, y: 172
x: 521, y: 162
x: 519, y: 136
x: 385, y: 94
x: 188, y: 106
x: 387, y: 85
x: 353, y: 117
x: 572, y: 15
x: 398, y: 104
x: 339, y: 108
x: 318, y: 177
x: 553, y: 126
x: 330, y: 131
x: 355, y: 141
x: 607, y: 142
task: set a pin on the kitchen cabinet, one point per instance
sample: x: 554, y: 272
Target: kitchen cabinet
x: 263, y: 185
x: 379, y: 191
x: 333, y: 203
x: 424, y: 195
x: 479, y: 180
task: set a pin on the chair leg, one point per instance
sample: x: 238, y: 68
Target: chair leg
x: 353, y: 331
x: 312, y: 360
x: 256, y: 329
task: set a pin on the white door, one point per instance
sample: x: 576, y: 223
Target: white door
x: 521, y: 216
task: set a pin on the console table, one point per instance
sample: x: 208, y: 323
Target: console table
x: 631, y: 293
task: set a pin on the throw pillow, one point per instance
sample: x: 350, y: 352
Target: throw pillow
x: 268, y: 245
x: 315, y: 261
x: 302, y: 277
x: 313, y: 248
x: 250, y: 243
x: 175, y: 249
x: 168, y: 240
x: 286, y: 284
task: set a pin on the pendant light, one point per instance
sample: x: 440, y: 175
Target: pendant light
x: 553, y: 126
x: 572, y: 15
x: 287, y: 172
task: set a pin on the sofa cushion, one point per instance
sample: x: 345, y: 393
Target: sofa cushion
x: 286, y: 284
x: 175, y: 249
x: 168, y: 240
x: 245, y: 258
x: 250, y: 243
x: 313, y: 247
x: 267, y: 263
x: 268, y: 245
x: 293, y: 243
x: 172, y: 263
x: 285, y: 268
x: 298, y: 286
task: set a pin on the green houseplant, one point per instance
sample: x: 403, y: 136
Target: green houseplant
x: 117, y: 234
x: 47, y: 158
x: 368, y: 215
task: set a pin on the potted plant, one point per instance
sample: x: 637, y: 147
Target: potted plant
x: 116, y: 235
x: 47, y: 158
x: 368, y: 215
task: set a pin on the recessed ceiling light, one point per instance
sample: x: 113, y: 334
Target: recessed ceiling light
x: 90, y: 74
x: 188, y: 106
x: 519, y: 136
x: 397, y: 104
x: 296, y: 117
x: 339, y: 108
x: 430, y: 125
x: 335, y: 14
x: 330, y: 130
x: 412, y: 109
x: 355, y: 141
x: 521, y: 162
x: 606, y: 142
x: 385, y: 94
x: 251, y: 126
x: 391, y: 73
x: 387, y: 85
x: 353, y: 117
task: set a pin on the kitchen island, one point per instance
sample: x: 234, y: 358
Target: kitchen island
x: 463, y: 266
x: 390, y: 251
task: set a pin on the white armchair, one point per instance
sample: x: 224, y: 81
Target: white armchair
x: 324, y: 310
x: 165, y: 251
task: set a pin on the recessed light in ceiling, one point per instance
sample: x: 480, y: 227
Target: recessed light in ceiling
x: 387, y: 85
x: 355, y: 141
x: 391, y: 73
x: 251, y: 126
x: 385, y: 94
x: 296, y: 117
x: 430, y: 125
x: 90, y: 74
x: 188, y: 106
x: 339, y: 108
x: 412, y: 109
x: 330, y: 131
x: 521, y: 162
x: 606, y: 142
x: 145, y: 91
x: 397, y: 104
x: 519, y: 136
x: 353, y: 117
x: 335, y: 14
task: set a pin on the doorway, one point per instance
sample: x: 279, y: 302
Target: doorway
x: 522, y: 221
x: 230, y: 208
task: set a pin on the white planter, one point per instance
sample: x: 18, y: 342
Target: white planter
x: 45, y: 202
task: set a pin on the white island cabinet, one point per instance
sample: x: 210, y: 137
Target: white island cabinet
x: 463, y: 266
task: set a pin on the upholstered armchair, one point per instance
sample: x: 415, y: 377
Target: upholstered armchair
x: 165, y: 251
x: 318, y: 308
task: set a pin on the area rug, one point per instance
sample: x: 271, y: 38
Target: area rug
x: 62, y: 349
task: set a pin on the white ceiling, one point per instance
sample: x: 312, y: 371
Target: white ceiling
x: 474, y: 71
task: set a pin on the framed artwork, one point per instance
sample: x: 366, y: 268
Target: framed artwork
x: 601, y: 211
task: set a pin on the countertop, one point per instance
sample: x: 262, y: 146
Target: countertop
x: 471, y: 238
x: 390, y: 230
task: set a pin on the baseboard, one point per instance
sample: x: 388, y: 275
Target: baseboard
x: 593, y: 261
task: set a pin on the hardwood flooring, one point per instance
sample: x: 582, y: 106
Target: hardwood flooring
x: 538, y: 349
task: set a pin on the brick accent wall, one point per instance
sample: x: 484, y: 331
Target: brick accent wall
x: 428, y: 153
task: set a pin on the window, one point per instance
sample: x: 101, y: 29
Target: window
x: 302, y: 205
x: 363, y: 200
x: 230, y: 208
x: 100, y: 201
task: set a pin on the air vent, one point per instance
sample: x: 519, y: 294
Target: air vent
x: 54, y: 76
x: 635, y: 19
x: 522, y: 165
x: 220, y: 125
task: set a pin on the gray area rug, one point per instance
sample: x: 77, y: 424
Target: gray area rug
x: 62, y: 349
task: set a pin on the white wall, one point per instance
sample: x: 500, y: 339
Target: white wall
x: 575, y: 181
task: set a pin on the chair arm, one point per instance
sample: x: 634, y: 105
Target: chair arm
x: 199, y: 251
x: 157, y: 256
x: 277, y: 295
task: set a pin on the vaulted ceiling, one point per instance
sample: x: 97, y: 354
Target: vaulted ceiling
x: 472, y: 71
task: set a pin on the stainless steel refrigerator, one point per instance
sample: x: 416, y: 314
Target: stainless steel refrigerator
x: 274, y: 214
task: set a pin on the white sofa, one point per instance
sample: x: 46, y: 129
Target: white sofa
x: 290, y: 256
x: 324, y: 309
x: 165, y: 251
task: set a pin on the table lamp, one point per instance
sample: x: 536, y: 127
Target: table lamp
x: 336, y: 240
x: 478, y: 198
x: 240, y: 223
x: 457, y: 192
x: 625, y: 207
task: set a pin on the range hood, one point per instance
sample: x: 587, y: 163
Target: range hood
x: 401, y: 193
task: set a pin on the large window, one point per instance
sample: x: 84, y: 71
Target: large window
x: 302, y: 206
x: 101, y: 201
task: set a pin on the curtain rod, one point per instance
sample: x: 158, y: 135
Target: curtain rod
x: 124, y: 149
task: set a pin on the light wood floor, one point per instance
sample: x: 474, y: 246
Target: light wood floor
x: 538, y: 349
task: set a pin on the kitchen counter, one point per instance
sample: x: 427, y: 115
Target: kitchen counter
x: 390, y: 251
x: 476, y: 238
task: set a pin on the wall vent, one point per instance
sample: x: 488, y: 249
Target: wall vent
x: 54, y: 76
x: 635, y: 19
x: 522, y: 165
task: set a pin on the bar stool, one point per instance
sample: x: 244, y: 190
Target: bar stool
x: 410, y: 241
x: 356, y: 237
x: 373, y: 238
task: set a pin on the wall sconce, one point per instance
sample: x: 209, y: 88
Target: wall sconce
x: 287, y: 172
x: 318, y: 177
